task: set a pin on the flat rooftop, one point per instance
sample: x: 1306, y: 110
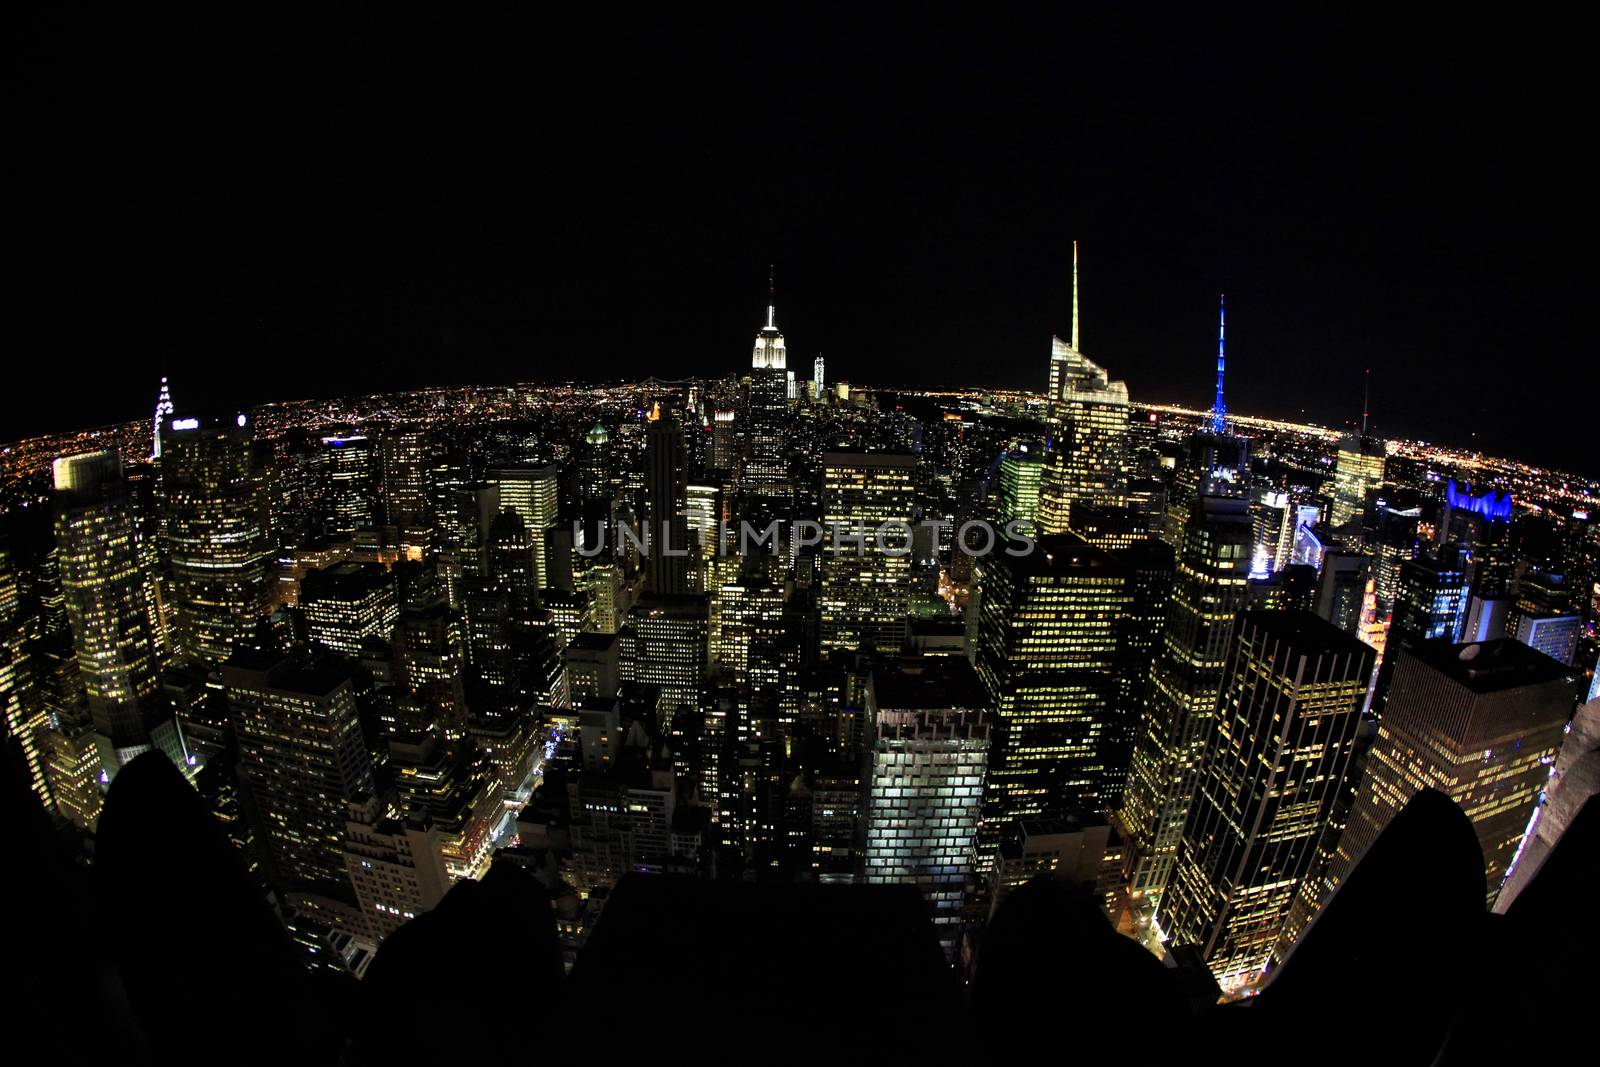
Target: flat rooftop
x: 1491, y: 666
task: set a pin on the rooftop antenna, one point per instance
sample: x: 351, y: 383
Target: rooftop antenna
x: 1366, y: 399
x: 1219, y: 410
x: 1074, y: 296
x: 771, y: 303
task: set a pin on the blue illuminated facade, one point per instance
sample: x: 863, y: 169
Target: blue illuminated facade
x: 1493, y: 505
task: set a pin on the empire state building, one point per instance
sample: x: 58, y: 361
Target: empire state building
x: 767, y: 472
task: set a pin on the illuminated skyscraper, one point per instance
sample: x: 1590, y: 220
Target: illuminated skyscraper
x: 816, y: 375
x: 664, y: 644
x: 1286, y: 724
x: 106, y: 592
x: 1170, y: 745
x: 928, y: 723
x: 22, y: 713
x: 1431, y: 602
x: 163, y: 413
x: 534, y: 494
x: 1020, y: 474
x: 1481, y: 723
x: 217, y: 532
x: 766, y: 471
x: 302, y: 760
x: 724, y: 439
x: 348, y: 483
x: 396, y: 866
x: 1089, y: 455
x: 348, y: 604
x: 865, y: 579
x: 405, y: 462
x: 594, y: 467
x: 1048, y: 643
x: 1358, y: 468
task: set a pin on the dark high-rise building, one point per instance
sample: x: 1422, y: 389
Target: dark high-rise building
x: 1286, y: 724
x: 1048, y: 648
x: 510, y: 558
x: 405, y: 463
x: 23, y: 718
x: 302, y: 760
x: 666, y: 501
x: 1169, y: 748
x: 349, y: 604
x: 217, y: 533
x: 1481, y: 723
x: 347, y: 477
x: 533, y: 494
x: 107, y: 593
x: 1431, y: 600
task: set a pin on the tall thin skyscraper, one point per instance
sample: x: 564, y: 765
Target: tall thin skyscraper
x: 217, y: 533
x: 1169, y: 750
x: 1088, y: 459
x: 766, y: 472
x: 106, y: 592
x: 404, y: 465
x: 1286, y: 725
x: 163, y: 413
x: 864, y: 579
x: 1358, y: 468
x: 1219, y: 408
x: 817, y: 379
x: 666, y: 503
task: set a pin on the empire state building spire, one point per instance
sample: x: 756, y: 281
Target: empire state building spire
x: 769, y: 351
x: 1219, y: 410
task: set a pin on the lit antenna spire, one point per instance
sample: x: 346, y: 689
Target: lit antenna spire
x: 1074, y: 296
x: 1219, y: 410
x: 1366, y: 399
x: 772, y: 307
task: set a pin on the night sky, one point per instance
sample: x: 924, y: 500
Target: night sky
x: 299, y: 202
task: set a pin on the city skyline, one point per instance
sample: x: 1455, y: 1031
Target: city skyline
x: 744, y: 519
x: 438, y: 235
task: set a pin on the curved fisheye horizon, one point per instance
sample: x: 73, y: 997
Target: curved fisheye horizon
x: 569, y: 532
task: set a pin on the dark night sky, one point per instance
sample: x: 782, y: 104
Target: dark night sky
x: 297, y: 202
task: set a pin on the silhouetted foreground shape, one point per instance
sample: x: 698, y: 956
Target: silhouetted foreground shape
x: 1404, y: 966
x: 1404, y: 934
x: 205, y: 962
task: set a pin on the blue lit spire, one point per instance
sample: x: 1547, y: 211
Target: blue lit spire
x: 1219, y: 410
